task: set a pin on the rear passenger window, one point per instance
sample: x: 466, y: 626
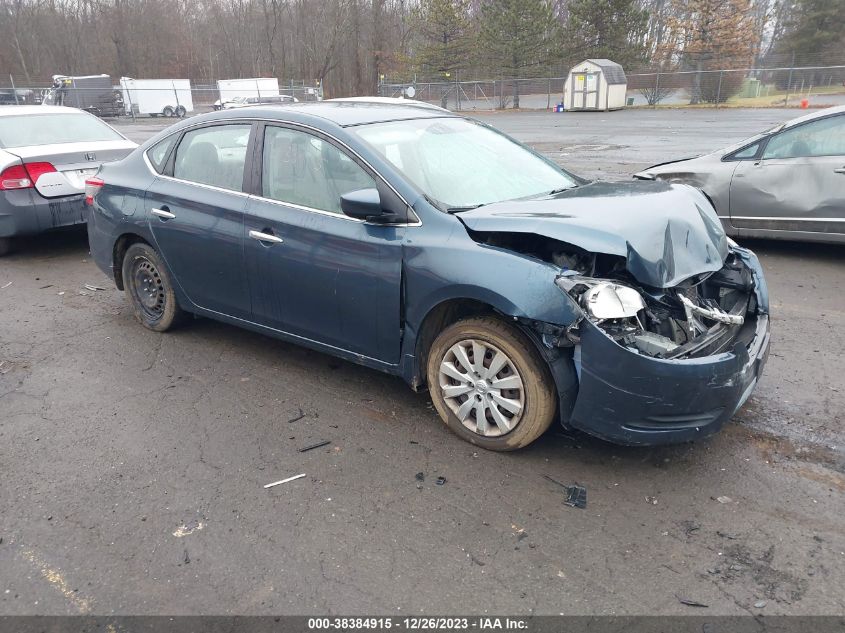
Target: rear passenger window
x: 305, y: 170
x: 158, y: 153
x: 213, y: 156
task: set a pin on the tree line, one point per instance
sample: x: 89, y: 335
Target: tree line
x: 348, y: 46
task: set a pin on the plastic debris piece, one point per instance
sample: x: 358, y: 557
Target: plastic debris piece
x: 7, y: 285
x: 284, y: 481
x: 690, y: 603
x: 313, y: 446
x: 576, y: 497
x: 92, y: 287
x: 298, y: 417
x: 420, y: 476
x: 651, y: 500
x: 723, y: 499
x: 760, y: 604
x: 440, y: 481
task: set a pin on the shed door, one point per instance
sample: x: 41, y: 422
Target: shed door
x: 585, y: 91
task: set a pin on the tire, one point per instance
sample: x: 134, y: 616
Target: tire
x: 168, y: 111
x: 180, y: 111
x: 503, y: 428
x: 149, y: 289
x: 5, y: 246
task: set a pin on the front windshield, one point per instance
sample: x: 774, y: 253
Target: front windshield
x: 459, y: 163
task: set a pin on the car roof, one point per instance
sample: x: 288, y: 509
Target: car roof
x: 342, y: 113
x: 9, y: 110
x: 401, y: 101
x: 815, y: 115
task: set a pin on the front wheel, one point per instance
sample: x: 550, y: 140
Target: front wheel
x: 180, y: 111
x: 168, y: 111
x: 490, y: 385
x: 149, y: 289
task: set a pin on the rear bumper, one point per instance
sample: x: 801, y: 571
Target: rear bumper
x: 24, y: 212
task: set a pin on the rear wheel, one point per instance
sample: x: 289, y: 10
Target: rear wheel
x: 168, y: 111
x: 180, y: 111
x: 149, y: 289
x: 490, y: 385
x: 5, y: 245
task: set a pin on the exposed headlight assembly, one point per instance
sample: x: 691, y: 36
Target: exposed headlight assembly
x: 602, y: 299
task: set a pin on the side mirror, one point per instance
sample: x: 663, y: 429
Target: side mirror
x: 363, y: 204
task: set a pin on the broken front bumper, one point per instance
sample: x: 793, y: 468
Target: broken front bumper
x: 631, y: 398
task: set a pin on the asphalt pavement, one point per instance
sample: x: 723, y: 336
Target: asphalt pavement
x: 133, y: 463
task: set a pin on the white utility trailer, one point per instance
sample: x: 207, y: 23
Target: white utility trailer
x: 165, y: 97
x: 255, y: 87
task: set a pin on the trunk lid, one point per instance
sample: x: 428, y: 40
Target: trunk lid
x: 74, y: 162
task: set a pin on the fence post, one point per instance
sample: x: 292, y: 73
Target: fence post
x: 719, y: 90
x: 656, y: 98
x: 549, y: 95
x: 14, y: 90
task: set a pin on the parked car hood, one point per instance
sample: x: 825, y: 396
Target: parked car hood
x: 666, y: 232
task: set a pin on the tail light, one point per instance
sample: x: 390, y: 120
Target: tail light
x: 92, y: 188
x: 23, y: 176
x: 15, y: 177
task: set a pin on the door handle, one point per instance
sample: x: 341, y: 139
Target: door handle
x: 265, y: 237
x: 841, y: 170
x: 163, y: 214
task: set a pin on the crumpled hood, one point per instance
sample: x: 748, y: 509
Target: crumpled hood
x: 666, y: 232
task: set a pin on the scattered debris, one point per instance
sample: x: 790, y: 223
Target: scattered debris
x: 187, y: 558
x: 476, y: 561
x: 440, y: 481
x: 726, y: 535
x: 284, y: 481
x: 560, y: 574
x: 92, y: 287
x: 651, y: 500
x: 576, y: 497
x: 45, y: 287
x: 62, y: 293
x: 7, y: 285
x: 420, y: 476
x: 760, y: 604
x: 690, y: 603
x: 188, y: 528
x: 722, y: 499
x: 313, y: 446
x: 298, y: 417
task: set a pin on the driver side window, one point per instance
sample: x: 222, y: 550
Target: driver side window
x: 303, y: 169
x: 825, y: 137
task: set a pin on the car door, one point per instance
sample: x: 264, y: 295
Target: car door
x: 314, y: 272
x: 797, y: 183
x: 196, y: 214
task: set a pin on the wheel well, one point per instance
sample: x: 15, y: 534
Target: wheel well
x: 120, y: 247
x: 440, y: 317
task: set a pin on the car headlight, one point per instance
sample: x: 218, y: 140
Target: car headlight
x: 608, y: 300
x: 602, y: 299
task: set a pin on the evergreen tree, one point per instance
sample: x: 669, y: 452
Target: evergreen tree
x: 611, y: 29
x: 518, y: 36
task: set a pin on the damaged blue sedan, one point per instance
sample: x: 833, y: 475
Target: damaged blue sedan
x: 430, y: 246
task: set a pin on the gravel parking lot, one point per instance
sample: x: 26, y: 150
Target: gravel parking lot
x: 133, y: 462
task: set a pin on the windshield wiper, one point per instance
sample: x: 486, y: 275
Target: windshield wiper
x: 467, y: 208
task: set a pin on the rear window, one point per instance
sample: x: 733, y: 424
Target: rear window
x: 46, y: 129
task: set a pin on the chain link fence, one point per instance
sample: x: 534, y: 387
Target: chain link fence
x: 748, y: 87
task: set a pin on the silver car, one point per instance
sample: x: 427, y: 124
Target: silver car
x: 786, y: 183
x: 46, y: 153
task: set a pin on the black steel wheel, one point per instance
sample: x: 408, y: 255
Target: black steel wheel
x: 149, y: 288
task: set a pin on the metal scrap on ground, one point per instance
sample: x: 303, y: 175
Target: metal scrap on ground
x: 284, y: 481
x: 313, y: 446
x: 576, y: 496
